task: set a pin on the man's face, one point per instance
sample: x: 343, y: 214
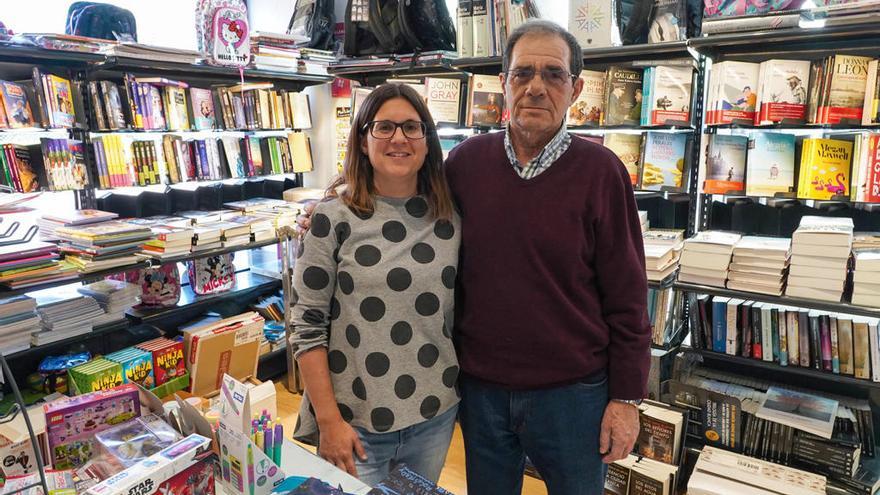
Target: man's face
x: 792, y: 83
x: 539, y: 105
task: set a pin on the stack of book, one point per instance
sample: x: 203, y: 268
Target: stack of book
x: 53, y: 220
x: 233, y: 234
x: 721, y: 472
x: 866, y: 277
x: 104, y: 245
x: 866, y: 240
x: 705, y: 258
x: 32, y: 263
x: 662, y: 252
x: 206, y: 237
x: 248, y: 206
x: 820, y: 248
x: 275, y: 51
x: 169, y: 241
x: 636, y: 474
x: 663, y: 315
x: 759, y: 265
x: 261, y: 228
x: 65, y: 318
x: 18, y: 321
x: 114, y: 296
x: 201, y: 217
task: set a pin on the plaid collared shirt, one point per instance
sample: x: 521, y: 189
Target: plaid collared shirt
x: 554, y: 149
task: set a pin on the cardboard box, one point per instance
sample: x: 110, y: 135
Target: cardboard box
x: 17, y: 455
x: 230, y: 346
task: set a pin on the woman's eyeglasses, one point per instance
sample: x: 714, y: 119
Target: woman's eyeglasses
x: 385, y: 129
x: 554, y: 77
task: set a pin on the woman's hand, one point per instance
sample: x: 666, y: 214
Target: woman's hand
x: 338, y: 443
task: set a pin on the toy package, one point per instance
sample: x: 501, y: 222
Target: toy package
x: 168, y: 362
x: 58, y: 483
x: 97, y: 374
x: 212, y: 274
x: 137, y: 366
x: 72, y: 423
x: 125, y: 445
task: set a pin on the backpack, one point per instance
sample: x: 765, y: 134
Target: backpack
x: 100, y: 20
x: 392, y: 26
x: 223, y: 33
x: 314, y: 19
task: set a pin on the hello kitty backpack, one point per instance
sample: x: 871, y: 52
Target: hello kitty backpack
x: 223, y: 32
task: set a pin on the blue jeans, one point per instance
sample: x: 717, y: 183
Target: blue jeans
x: 557, y: 428
x: 422, y: 447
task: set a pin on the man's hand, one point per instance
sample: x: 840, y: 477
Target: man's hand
x: 304, y: 220
x: 620, y: 429
x: 338, y: 441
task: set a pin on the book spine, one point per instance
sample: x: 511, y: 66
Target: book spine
x: 732, y: 336
x: 825, y: 335
x: 861, y: 350
x: 803, y: 339
x: 767, y: 333
x: 815, y: 343
x: 774, y: 333
x: 103, y: 176
x: 204, y: 165
x: 719, y: 327
x: 835, y: 345
x: 757, y: 333
x: 153, y: 162
x: 783, y: 338
x: 791, y: 326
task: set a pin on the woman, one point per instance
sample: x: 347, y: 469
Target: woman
x: 373, y: 300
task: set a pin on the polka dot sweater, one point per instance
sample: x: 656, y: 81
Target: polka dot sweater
x: 377, y: 292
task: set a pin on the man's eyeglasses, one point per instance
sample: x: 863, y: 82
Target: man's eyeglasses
x: 554, y: 77
x: 385, y: 129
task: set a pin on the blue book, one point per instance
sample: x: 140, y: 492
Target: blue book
x: 770, y: 164
x: 646, y: 96
x: 203, y: 158
x: 719, y: 324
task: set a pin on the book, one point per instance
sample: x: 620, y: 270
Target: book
x: 825, y: 168
x: 660, y: 432
x: 770, y: 164
x: 627, y: 147
x: 62, y: 114
x: 623, y: 90
x: 480, y: 21
x: 465, y: 29
x: 485, y: 104
x: 592, y: 22
x: 404, y: 480
x: 782, y: 91
x: 16, y: 105
x: 444, y: 99
x: 844, y: 95
x: 806, y: 412
x: 664, y: 160
x: 670, y: 94
x: 202, y: 108
x: 734, y: 97
x: 587, y: 108
x: 726, y: 164
x: 176, y: 108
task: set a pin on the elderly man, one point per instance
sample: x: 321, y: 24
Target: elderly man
x: 551, y: 325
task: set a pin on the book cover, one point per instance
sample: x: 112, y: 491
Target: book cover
x: 203, y: 108
x: 16, y: 105
x: 444, y: 99
x: 587, y: 109
x: 825, y: 168
x: 770, y: 164
x: 668, y: 22
x: 726, y: 164
x: 62, y: 103
x: 806, y: 412
x: 670, y: 97
x: 656, y: 439
x: 482, y: 36
x: 485, y: 101
x: 737, y: 92
x: 617, y: 479
x: 405, y: 481
x: 627, y: 147
x: 593, y: 23
x: 846, y: 90
x: 113, y: 105
x: 178, y: 116
x: 623, y: 88
x: 302, y: 116
x: 783, y: 91
x: 465, y: 29
x: 663, y: 164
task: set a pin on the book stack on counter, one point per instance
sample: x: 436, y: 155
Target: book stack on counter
x: 114, y: 296
x: 827, y: 435
x: 636, y: 474
x: 759, y: 265
x: 169, y: 241
x: 104, y: 245
x: 662, y: 252
x: 721, y: 472
x: 275, y: 51
x: 866, y: 240
x: 18, y: 320
x: 705, y: 258
x: 233, y: 234
x: 206, y: 237
x: 249, y: 206
x: 65, y: 318
x: 49, y: 222
x: 866, y: 277
x: 260, y: 228
x: 32, y: 263
x: 278, y: 213
x: 820, y: 248
x: 200, y: 217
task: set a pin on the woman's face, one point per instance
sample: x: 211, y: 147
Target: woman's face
x: 399, y: 157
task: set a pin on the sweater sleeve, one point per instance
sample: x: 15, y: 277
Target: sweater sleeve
x: 314, y: 281
x: 623, y: 287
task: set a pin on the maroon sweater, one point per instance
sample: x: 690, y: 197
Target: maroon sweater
x: 552, y: 271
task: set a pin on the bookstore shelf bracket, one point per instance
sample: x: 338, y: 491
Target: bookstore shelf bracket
x: 20, y: 408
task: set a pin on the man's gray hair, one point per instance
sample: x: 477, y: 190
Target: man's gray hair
x: 543, y: 26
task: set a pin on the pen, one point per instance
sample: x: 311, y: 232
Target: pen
x: 250, y: 469
x: 259, y: 442
x: 268, y: 449
x: 279, y: 441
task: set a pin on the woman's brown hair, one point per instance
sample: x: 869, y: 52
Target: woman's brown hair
x: 357, y: 171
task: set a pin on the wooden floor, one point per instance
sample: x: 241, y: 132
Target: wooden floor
x: 453, y: 476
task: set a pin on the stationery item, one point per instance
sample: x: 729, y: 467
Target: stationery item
x: 279, y: 441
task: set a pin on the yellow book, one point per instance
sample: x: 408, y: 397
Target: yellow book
x: 300, y: 152
x: 825, y: 169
